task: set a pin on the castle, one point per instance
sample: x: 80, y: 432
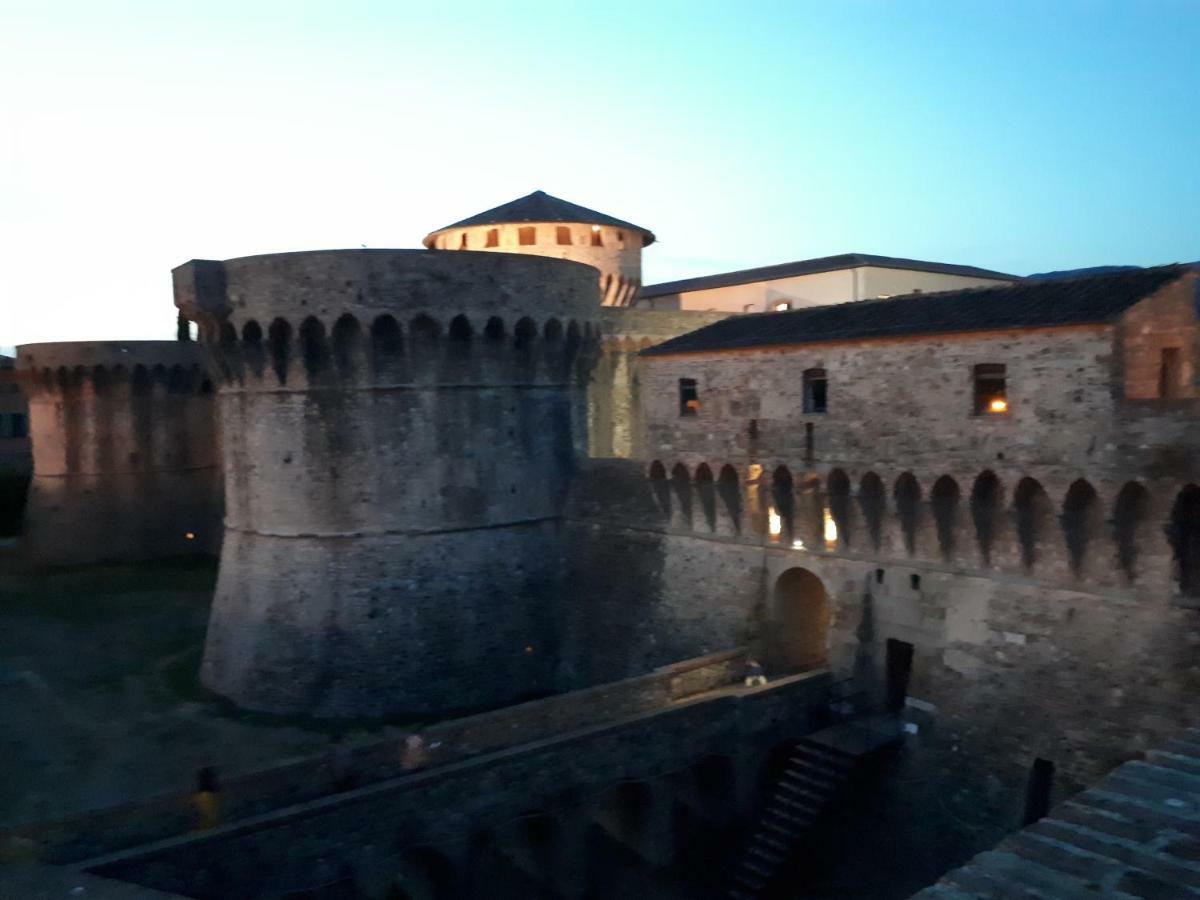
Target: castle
x: 453, y: 482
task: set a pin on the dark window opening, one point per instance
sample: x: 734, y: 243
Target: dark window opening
x: 816, y: 391
x: 562, y: 234
x: 689, y: 397
x: 1168, y: 373
x: 879, y: 576
x: 991, y: 389
x: 914, y: 581
x: 597, y: 241
x: 809, y: 443
x: 462, y: 243
x: 493, y: 238
x: 527, y: 236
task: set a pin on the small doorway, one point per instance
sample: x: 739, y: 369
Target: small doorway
x: 899, y: 671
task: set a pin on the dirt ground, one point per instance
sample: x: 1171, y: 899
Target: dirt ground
x: 99, y: 696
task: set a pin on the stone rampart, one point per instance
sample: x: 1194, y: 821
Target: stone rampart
x: 126, y: 454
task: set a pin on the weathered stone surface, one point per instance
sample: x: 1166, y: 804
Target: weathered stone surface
x: 125, y: 452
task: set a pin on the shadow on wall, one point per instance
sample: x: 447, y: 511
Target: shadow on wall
x: 14, y: 489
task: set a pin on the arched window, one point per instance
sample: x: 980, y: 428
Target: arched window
x: 1129, y: 516
x: 1080, y: 521
x: 944, y: 499
x: 985, y: 512
x: 730, y: 491
x: 279, y: 337
x: 1184, y: 532
x: 872, y: 497
x: 707, y: 495
x: 907, y: 497
x: 1032, y: 510
x: 838, y: 514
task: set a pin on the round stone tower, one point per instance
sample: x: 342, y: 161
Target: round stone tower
x: 401, y: 430
x: 542, y: 225
x: 125, y: 452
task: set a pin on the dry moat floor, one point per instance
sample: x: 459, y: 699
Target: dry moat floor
x: 99, y: 696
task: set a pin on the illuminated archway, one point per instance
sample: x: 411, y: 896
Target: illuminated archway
x: 800, y: 619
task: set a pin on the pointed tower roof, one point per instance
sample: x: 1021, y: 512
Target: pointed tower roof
x: 542, y: 207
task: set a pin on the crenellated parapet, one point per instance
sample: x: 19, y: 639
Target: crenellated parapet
x: 402, y: 427
x: 126, y: 463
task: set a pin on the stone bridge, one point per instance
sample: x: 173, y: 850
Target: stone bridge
x: 659, y: 766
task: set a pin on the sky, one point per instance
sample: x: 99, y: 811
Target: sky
x: 1018, y: 136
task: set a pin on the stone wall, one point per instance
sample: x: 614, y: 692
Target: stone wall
x: 1014, y: 657
x: 614, y: 389
x: 125, y: 452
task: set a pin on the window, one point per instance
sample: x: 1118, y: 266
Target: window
x: 781, y: 305
x: 527, y: 236
x: 816, y: 391
x: 620, y: 238
x: 597, y: 241
x: 13, y: 426
x: 689, y: 398
x: 991, y: 393
x: 493, y: 237
x: 1168, y: 373
x: 462, y: 244
x: 563, y: 234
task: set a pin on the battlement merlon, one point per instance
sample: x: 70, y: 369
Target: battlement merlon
x: 199, y: 286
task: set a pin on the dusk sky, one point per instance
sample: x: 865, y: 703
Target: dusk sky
x: 1018, y: 136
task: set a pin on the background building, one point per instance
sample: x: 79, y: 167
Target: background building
x: 815, y: 282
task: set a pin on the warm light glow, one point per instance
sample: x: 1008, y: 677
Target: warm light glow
x: 831, y: 535
x: 528, y: 649
x: 595, y: 228
x: 693, y: 404
x: 774, y: 522
x: 797, y: 544
x: 782, y: 306
x: 998, y: 405
x: 753, y: 472
x: 190, y: 536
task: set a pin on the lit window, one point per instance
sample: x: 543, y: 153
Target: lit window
x: 493, y: 237
x: 689, y: 398
x: 597, y: 241
x: 774, y: 523
x: 829, y: 529
x: 816, y: 391
x: 563, y: 234
x: 527, y: 236
x: 1168, y: 373
x: 782, y: 306
x: 991, y: 390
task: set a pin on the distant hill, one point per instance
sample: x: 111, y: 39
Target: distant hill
x: 1091, y: 270
x: 1079, y: 273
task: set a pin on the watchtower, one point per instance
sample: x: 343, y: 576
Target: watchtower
x: 542, y: 225
x: 401, y: 427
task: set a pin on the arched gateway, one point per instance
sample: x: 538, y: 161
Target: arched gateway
x: 799, y: 622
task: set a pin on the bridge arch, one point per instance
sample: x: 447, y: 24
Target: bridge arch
x: 800, y: 614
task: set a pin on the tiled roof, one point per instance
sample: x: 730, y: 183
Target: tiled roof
x: 813, y: 266
x: 1031, y: 304
x: 1135, y: 834
x: 542, y: 207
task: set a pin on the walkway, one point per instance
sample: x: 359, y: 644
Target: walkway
x: 1135, y: 834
